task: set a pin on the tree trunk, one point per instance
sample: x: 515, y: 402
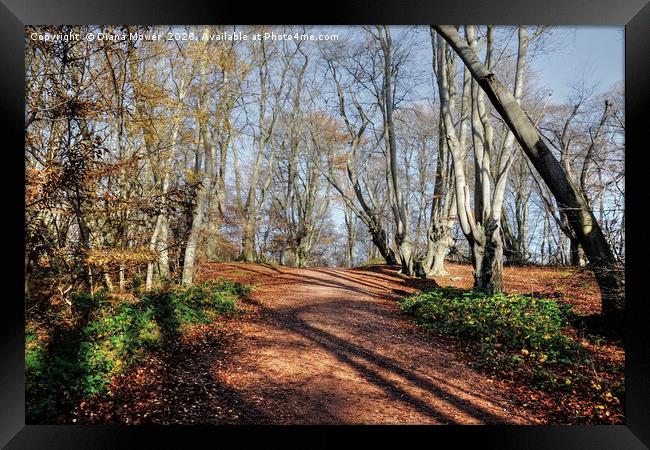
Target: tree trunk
x: 109, y: 282
x: 201, y: 205
x: 350, y: 251
x: 381, y: 243
x: 349, y: 227
x: 152, y: 246
x: 301, y: 253
x: 163, y: 244
x: 248, y: 241
x: 283, y: 252
x: 373, y: 252
x: 193, y: 241
x: 439, y: 243
x: 577, y: 254
x: 488, y: 260
x: 402, y: 234
x: 405, y: 252
x: 439, y: 239
x: 608, y: 272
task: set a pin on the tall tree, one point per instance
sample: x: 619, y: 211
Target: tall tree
x: 271, y: 99
x: 482, y: 227
x: 370, y: 205
x: 386, y: 102
x: 607, y: 270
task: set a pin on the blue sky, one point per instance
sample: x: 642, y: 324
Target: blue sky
x: 596, y: 52
x: 593, y: 52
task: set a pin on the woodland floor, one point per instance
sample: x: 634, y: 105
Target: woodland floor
x: 327, y: 346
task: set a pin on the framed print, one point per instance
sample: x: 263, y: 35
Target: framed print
x: 360, y: 219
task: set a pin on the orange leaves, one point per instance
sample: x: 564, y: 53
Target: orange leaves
x: 226, y: 60
x: 74, y: 107
x: 326, y: 129
x: 149, y: 92
x: 108, y: 256
x: 339, y: 162
x: 103, y: 170
x: 40, y: 184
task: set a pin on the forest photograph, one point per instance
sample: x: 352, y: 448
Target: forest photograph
x: 324, y: 224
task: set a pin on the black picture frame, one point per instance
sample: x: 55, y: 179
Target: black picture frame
x: 633, y: 14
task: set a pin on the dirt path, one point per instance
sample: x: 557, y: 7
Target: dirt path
x: 330, y: 346
x: 318, y: 346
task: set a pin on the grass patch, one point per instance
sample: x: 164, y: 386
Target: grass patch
x: 107, y: 335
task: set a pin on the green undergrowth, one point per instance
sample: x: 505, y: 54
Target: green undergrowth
x: 510, y: 332
x: 107, y: 335
x: 526, y: 338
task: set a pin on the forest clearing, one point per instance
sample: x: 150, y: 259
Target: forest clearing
x: 391, y: 225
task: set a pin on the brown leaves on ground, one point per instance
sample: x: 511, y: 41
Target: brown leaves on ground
x: 578, y: 287
x: 573, y: 285
x: 325, y: 345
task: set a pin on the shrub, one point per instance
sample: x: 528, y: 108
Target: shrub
x: 513, y: 331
